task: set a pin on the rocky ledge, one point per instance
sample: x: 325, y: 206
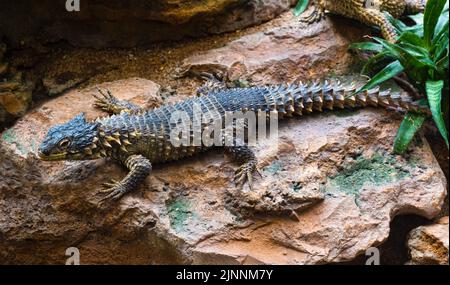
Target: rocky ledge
x: 100, y: 23
x: 329, y: 190
x: 15, y: 91
x: 428, y: 245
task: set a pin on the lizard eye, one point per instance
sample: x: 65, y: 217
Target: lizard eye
x: 64, y: 143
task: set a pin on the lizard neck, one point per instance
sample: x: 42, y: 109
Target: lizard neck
x: 113, y: 143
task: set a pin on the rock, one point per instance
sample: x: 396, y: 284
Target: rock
x: 429, y: 244
x: 61, y: 80
x: 101, y: 23
x: 15, y: 91
x: 14, y: 102
x: 284, y: 52
x: 329, y: 190
x: 3, y: 65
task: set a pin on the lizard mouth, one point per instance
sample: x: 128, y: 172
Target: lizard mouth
x: 52, y: 157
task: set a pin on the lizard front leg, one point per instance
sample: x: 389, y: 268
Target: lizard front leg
x: 377, y: 18
x: 248, y: 164
x: 211, y: 84
x: 140, y: 167
x: 110, y: 104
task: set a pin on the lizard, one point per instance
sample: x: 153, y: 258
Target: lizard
x: 370, y: 12
x: 138, y: 138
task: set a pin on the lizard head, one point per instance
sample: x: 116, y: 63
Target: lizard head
x: 74, y: 140
x: 415, y: 6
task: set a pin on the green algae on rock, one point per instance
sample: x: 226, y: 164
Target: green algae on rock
x: 179, y: 214
x: 378, y: 170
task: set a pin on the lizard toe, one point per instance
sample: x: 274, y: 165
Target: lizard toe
x: 114, y: 193
x: 109, y: 185
x: 239, y: 179
x: 245, y: 174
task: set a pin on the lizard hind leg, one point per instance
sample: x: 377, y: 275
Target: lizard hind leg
x: 111, y: 105
x: 316, y: 15
x: 377, y: 18
x: 415, y: 6
x: 248, y: 164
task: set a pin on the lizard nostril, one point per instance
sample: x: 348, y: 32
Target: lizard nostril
x: 42, y: 152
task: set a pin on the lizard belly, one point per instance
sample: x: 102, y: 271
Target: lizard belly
x: 163, y: 150
x: 345, y: 8
x: 174, y: 154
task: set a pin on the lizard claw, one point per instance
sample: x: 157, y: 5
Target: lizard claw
x: 114, y: 191
x: 258, y: 172
x: 106, y: 101
x: 109, y: 185
x: 245, y: 174
x: 315, y: 16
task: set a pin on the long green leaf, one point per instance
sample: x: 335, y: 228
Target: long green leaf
x: 416, y: 51
x: 398, y: 25
x: 413, y: 39
x: 387, y: 73
x: 408, y: 128
x: 440, y: 40
x: 416, y: 67
x: 418, y: 30
x: 443, y: 21
x: 440, y: 48
x: 442, y: 64
x: 300, y: 7
x: 440, y: 33
x: 417, y: 18
x: 373, y: 61
x: 410, y: 56
x: 434, y: 95
x: 418, y: 27
x: 433, y: 10
x: 367, y: 46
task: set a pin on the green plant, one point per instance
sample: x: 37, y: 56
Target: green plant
x: 300, y: 7
x: 421, y: 52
